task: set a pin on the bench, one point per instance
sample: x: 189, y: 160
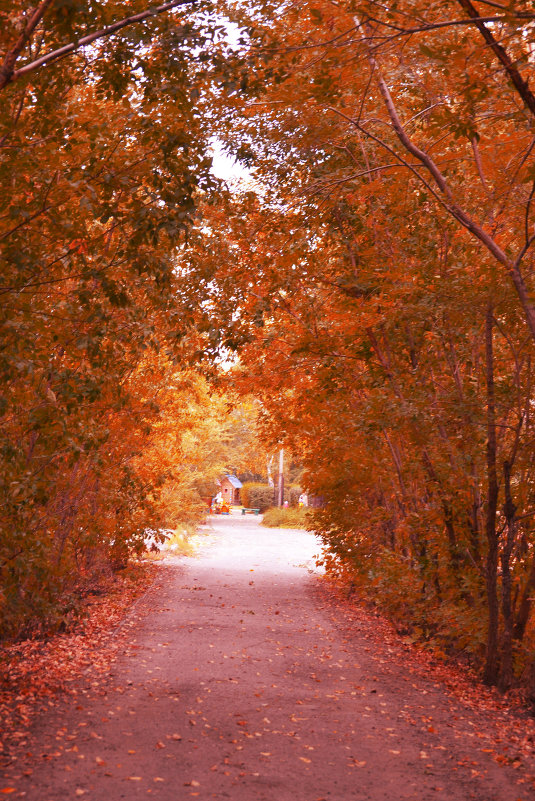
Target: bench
x: 250, y: 511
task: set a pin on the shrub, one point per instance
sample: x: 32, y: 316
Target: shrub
x: 292, y: 494
x: 257, y: 496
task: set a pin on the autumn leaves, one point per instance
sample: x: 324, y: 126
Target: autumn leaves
x: 385, y: 302
x: 103, y: 161
x: 377, y: 288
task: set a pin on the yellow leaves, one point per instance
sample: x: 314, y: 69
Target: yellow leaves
x: 306, y: 760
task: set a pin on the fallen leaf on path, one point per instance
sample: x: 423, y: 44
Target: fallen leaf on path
x: 305, y: 759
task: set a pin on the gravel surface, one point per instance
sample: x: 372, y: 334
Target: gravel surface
x: 237, y: 681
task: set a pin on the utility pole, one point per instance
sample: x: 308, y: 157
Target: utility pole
x: 281, y: 477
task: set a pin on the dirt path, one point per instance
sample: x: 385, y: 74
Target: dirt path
x: 236, y: 684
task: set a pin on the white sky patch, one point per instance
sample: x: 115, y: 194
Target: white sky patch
x: 226, y: 168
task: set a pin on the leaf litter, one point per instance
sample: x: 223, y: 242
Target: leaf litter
x: 35, y: 673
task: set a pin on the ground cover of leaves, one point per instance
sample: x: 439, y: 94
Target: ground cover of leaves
x: 511, y: 738
x: 244, y: 675
x: 35, y: 673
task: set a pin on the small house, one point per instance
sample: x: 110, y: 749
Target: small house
x: 230, y: 489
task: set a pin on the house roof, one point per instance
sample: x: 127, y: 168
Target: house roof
x: 236, y: 483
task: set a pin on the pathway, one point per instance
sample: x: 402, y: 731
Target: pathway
x: 236, y: 684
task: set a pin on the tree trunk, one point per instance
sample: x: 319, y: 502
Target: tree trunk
x: 490, y: 674
x: 524, y: 607
x: 506, y: 668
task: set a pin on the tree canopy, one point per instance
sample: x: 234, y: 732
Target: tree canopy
x: 384, y: 301
x: 373, y: 283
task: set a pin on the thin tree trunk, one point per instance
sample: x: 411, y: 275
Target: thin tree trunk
x: 506, y: 667
x: 490, y: 674
x: 525, y: 605
x: 475, y: 528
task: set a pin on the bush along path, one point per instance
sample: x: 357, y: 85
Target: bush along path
x: 242, y: 678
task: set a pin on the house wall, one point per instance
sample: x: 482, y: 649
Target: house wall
x: 229, y: 493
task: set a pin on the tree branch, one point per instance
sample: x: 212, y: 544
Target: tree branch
x: 513, y: 267
x: 8, y: 66
x: 521, y: 86
x: 479, y: 166
x: 66, y: 50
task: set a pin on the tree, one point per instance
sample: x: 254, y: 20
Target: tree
x: 104, y: 161
x: 383, y: 295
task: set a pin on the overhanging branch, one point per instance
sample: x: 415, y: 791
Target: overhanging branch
x: 8, y: 74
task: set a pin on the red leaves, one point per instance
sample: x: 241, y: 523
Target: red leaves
x: 34, y: 671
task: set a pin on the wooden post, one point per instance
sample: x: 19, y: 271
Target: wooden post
x: 281, y: 477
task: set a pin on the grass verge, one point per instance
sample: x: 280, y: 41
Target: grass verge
x: 292, y: 517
